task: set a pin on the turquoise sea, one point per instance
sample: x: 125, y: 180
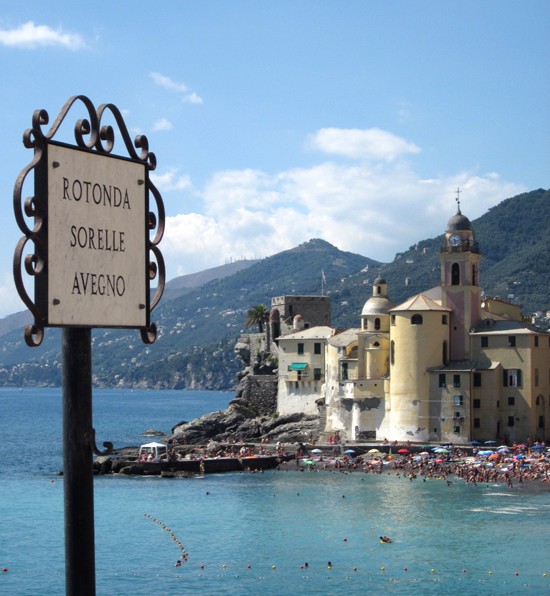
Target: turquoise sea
x: 251, y: 534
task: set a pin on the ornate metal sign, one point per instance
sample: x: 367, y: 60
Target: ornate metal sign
x: 93, y: 256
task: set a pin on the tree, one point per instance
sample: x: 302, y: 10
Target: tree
x: 257, y: 315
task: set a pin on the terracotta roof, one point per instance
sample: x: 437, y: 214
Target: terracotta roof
x: 420, y: 302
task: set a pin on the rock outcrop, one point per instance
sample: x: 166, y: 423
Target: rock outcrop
x: 232, y: 426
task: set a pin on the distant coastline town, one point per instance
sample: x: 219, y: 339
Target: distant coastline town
x: 449, y: 382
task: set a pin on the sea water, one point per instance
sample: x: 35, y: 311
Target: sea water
x: 252, y: 534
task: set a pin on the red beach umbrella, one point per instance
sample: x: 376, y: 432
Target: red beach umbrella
x: 403, y: 451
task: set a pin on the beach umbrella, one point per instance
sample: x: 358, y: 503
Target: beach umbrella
x: 519, y: 456
x: 503, y: 450
x: 423, y: 453
x: 538, y: 447
x: 373, y: 451
x: 475, y: 443
x: 494, y: 456
x: 490, y: 443
x: 403, y: 451
x: 316, y: 451
x: 485, y: 452
x: 349, y: 451
x: 308, y: 462
x: 442, y: 450
x: 438, y: 461
x: 521, y: 446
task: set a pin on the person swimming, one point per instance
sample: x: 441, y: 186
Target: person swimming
x: 385, y: 539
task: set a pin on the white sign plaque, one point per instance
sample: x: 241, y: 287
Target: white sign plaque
x: 97, y: 240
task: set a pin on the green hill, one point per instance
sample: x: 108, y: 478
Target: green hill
x: 198, y: 326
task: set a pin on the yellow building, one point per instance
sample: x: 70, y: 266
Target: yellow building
x: 447, y: 365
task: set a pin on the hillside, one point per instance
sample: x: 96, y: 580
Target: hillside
x: 196, y: 331
x: 198, y: 328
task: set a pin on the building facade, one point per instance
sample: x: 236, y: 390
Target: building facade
x: 447, y: 365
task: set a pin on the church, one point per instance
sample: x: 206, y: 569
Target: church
x: 447, y: 365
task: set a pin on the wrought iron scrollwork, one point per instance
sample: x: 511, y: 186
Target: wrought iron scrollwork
x: 107, y: 444
x: 92, y: 135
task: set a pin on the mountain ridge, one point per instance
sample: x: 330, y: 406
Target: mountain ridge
x: 198, y: 327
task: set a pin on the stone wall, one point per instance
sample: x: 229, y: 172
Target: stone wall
x: 260, y: 391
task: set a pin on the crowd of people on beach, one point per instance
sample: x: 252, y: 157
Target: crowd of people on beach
x: 515, y: 465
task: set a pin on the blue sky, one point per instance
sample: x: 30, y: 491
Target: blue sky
x: 277, y: 122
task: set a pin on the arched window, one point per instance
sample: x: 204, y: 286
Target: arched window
x: 445, y: 356
x: 455, y: 274
x: 392, y: 352
x: 377, y: 324
x: 416, y: 319
x: 376, y: 344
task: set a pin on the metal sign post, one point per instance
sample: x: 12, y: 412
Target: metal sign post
x: 77, y: 461
x: 92, y: 262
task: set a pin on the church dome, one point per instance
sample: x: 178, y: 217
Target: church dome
x: 379, y: 281
x: 377, y: 305
x: 459, y: 222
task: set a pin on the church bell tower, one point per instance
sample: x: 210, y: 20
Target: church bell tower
x: 460, y: 282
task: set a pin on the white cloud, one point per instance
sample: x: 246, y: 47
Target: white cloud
x: 10, y: 302
x: 162, y: 124
x: 169, y: 84
x: 32, y: 36
x: 192, y: 98
x: 374, y: 209
x: 371, y: 144
x: 170, y: 180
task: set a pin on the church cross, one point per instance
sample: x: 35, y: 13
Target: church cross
x: 458, y: 191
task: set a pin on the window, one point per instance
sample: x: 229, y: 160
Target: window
x: 456, y: 429
x: 392, y: 319
x: 477, y: 403
x: 511, y: 341
x: 541, y: 421
x: 477, y: 379
x: 316, y: 348
x: 300, y: 348
x: 455, y: 274
x: 445, y: 355
x: 484, y: 341
x: 477, y: 423
x: 511, y: 377
x: 536, y: 377
x: 456, y: 380
x: 443, y: 319
x: 458, y: 400
x: 377, y: 324
x: 442, y: 380
x: 511, y: 401
x: 416, y: 320
x: 510, y: 421
x: 316, y: 374
x: 392, y: 352
x: 536, y: 341
x: 344, y: 371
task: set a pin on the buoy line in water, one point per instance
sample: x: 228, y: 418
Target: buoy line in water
x: 184, y: 554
